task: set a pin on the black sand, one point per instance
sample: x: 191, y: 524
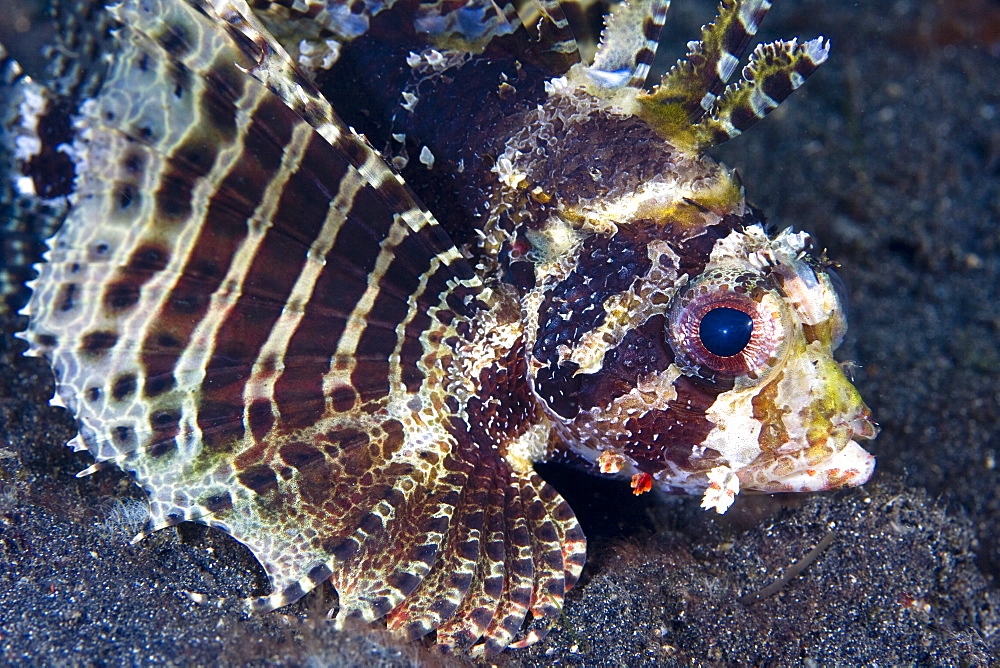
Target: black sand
x: 891, y: 157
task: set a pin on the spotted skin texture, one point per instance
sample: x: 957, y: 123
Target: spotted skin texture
x: 347, y: 351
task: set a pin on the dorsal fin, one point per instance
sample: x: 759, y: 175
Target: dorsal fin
x: 556, y: 44
x: 712, y: 60
x: 628, y: 44
x: 689, y: 106
x: 775, y: 71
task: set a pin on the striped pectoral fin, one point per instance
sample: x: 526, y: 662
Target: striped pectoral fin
x: 547, y: 555
x: 227, y: 336
x: 774, y: 72
x: 446, y: 587
x: 148, y: 165
x: 275, y: 69
x: 519, y: 580
x: 215, y: 292
x: 510, y: 550
x: 477, y: 611
x: 333, y: 496
x: 569, y: 532
x: 398, y: 542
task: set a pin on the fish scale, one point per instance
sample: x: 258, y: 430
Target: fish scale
x: 352, y: 370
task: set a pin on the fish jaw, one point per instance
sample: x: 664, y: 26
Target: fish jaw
x: 813, y: 419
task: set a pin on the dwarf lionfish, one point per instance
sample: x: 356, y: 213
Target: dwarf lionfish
x: 348, y: 350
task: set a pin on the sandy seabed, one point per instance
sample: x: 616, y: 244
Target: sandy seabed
x: 891, y: 156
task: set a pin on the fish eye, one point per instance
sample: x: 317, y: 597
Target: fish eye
x: 725, y: 331
x: 728, y: 326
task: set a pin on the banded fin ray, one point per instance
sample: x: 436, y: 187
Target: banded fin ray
x: 628, y: 44
x: 690, y: 105
x: 175, y: 414
x: 774, y: 72
x: 246, y: 309
x: 712, y: 60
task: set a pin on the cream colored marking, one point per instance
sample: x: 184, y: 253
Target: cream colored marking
x: 649, y: 295
x: 277, y: 71
x: 427, y: 157
x: 656, y: 200
x: 357, y: 321
x: 261, y: 383
x: 193, y: 362
x: 621, y: 309
x: 761, y: 102
x: 722, y: 489
x: 492, y: 341
x: 413, y: 309
x: 555, y: 251
x: 726, y: 66
x: 746, y: 15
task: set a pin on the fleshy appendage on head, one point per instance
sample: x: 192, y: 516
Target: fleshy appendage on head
x: 792, y: 419
x: 714, y: 382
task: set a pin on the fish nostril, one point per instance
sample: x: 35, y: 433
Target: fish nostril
x: 864, y: 427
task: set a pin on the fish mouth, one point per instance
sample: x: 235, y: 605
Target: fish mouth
x: 847, y: 464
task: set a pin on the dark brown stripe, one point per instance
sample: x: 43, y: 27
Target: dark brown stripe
x: 657, y: 437
x: 223, y: 85
x: 259, y: 479
x: 218, y: 502
x: 97, y: 343
x: 412, y: 350
x: 652, y: 27
x: 743, y: 116
x: 260, y: 418
x: 343, y: 398
x: 643, y: 350
x: 224, y: 228
x: 411, y: 259
x: 574, y: 307
x: 345, y: 440
x: 778, y: 86
x: 67, y: 297
x: 277, y: 263
x: 301, y: 455
x: 175, y: 40
x: 339, y: 287
x: 734, y: 42
x: 123, y: 292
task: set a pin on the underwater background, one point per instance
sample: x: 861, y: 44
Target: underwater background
x: 890, y: 156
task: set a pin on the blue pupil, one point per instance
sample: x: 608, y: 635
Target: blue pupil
x: 725, y: 331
